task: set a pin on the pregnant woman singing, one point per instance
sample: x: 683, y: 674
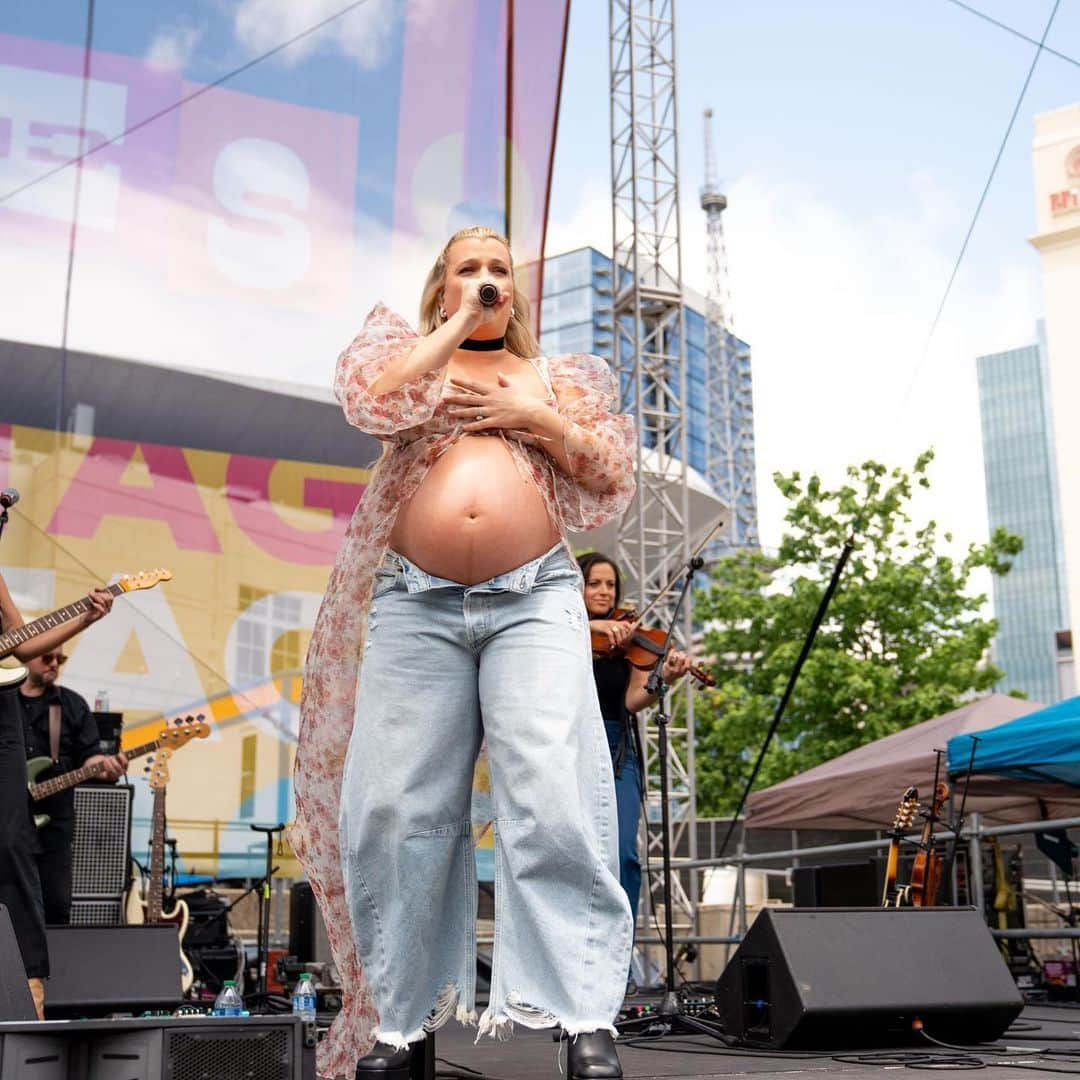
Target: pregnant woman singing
x: 453, y: 614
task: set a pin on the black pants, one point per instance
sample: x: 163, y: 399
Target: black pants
x: 54, y: 869
x: 20, y: 886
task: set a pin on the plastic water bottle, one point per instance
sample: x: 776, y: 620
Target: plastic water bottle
x: 101, y: 701
x: 228, y: 1002
x: 303, y: 998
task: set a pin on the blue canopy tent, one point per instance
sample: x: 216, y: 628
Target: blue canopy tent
x: 1042, y: 746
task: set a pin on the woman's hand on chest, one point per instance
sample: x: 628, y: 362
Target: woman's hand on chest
x: 515, y: 401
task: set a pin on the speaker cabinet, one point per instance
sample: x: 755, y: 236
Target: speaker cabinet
x: 841, y: 977
x: 15, y: 1000
x: 101, y: 853
x: 307, y: 931
x: 191, y: 1048
x: 97, y: 970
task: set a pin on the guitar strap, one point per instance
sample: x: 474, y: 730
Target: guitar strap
x: 54, y: 731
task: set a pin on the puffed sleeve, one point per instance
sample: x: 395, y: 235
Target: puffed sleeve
x: 384, y: 338
x: 600, y: 444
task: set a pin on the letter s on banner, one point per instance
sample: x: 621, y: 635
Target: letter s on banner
x: 265, y: 185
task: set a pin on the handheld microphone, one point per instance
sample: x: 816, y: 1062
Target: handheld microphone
x: 8, y: 497
x: 488, y: 294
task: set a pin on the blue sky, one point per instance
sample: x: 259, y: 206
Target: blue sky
x: 848, y: 98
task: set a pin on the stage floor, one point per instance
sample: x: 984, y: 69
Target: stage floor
x: 532, y: 1055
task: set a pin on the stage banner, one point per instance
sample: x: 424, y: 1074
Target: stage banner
x: 251, y: 180
x: 249, y: 542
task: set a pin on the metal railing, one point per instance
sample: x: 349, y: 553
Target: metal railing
x: 973, y: 833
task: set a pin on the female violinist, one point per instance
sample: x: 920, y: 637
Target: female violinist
x: 454, y: 612
x: 621, y: 689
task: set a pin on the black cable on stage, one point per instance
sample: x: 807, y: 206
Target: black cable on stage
x: 246, y: 66
x: 982, y: 200
x: 1012, y: 30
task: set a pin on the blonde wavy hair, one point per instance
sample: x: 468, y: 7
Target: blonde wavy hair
x: 520, y: 339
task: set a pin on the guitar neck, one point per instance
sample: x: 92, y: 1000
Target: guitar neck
x: 10, y: 641
x: 155, y: 889
x: 69, y: 779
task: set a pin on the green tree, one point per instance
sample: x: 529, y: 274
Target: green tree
x: 903, y: 639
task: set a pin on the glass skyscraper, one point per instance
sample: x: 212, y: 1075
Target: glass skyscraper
x: 576, y: 317
x: 1021, y: 495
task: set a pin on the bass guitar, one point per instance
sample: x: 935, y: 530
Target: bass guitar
x: 891, y: 894
x: 171, y: 738
x: 151, y: 909
x: 13, y: 673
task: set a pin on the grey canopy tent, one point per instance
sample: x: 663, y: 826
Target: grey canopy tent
x: 861, y: 789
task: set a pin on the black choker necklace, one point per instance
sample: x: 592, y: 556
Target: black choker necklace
x: 483, y: 344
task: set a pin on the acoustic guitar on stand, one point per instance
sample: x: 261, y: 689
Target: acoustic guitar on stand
x: 13, y: 673
x: 891, y: 894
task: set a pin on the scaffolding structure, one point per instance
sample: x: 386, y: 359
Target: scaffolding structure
x: 649, y: 356
x: 730, y: 459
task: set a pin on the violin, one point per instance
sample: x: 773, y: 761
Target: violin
x: 642, y: 648
x: 926, y: 870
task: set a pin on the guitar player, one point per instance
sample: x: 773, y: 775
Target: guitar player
x: 20, y: 887
x: 58, y: 724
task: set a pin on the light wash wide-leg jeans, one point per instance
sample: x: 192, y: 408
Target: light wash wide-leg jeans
x: 444, y: 666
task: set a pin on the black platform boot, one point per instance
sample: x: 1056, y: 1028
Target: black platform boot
x: 387, y: 1062
x: 593, y: 1057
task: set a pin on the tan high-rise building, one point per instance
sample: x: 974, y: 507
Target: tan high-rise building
x: 1056, y: 163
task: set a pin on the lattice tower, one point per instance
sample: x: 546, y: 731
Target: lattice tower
x: 649, y: 354
x: 730, y: 464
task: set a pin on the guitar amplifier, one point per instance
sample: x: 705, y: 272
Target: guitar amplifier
x: 101, y: 853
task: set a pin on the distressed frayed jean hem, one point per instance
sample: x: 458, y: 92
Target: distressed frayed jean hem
x: 499, y: 1025
x: 448, y: 1004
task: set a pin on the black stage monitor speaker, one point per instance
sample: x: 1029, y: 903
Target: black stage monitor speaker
x: 15, y: 1000
x: 842, y: 977
x: 97, y: 970
x: 836, y: 885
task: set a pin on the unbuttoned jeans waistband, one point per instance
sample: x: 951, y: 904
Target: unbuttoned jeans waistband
x: 521, y: 579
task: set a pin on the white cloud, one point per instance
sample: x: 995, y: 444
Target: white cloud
x: 588, y: 224
x: 173, y: 47
x: 837, y: 307
x: 364, y: 34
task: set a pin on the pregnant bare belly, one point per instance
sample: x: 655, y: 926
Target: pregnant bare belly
x: 474, y: 515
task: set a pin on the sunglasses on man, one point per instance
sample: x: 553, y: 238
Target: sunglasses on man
x: 59, y: 659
